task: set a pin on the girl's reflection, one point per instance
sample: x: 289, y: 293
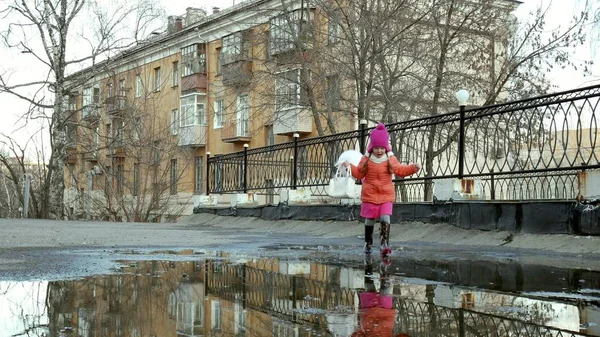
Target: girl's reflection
x: 377, y: 314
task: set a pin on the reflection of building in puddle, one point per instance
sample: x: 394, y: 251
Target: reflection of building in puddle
x: 534, y: 309
x: 271, y: 297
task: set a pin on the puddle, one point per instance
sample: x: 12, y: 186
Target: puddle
x: 282, y: 297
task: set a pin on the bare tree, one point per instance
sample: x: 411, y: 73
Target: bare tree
x: 45, y: 31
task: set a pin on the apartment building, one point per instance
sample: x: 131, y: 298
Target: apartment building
x: 143, y: 123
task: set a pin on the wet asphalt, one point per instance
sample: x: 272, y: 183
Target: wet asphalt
x: 59, y: 250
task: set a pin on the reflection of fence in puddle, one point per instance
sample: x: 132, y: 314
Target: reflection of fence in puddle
x: 306, y: 301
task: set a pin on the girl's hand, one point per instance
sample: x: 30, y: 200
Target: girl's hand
x: 417, y: 166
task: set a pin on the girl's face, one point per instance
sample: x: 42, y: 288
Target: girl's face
x: 379, y: 151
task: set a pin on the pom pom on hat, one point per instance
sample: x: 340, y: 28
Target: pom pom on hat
x: 379, y: 137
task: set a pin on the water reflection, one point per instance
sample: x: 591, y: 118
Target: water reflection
x: 272, y: 297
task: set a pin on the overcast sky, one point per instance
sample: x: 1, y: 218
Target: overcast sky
x: 20, y: 65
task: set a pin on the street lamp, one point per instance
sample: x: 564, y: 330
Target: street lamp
x: 462, y: 96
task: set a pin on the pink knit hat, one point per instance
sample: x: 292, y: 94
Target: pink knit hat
x: 379, y: 137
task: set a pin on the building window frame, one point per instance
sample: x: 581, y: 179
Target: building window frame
x: 139, y: 86
x: 175, y: 74
x: 193, y: 59
x: 157, y: 79
x: 291, y: 31
x: 173, y: 175
x: 232, y: 48
x: 198, y: 174
x: 174, y: 122
x: 192, y: 111
x: 219, y: 114
x: 136, y: 179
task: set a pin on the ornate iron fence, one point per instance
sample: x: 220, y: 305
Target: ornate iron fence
x: 528, y: 149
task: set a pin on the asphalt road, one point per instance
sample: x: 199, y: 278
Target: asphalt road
x: 56, y: 250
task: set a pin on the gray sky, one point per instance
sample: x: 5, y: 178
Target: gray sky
x: 21, y: 66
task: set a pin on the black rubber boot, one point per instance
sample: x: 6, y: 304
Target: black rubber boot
x: 385, y: 239
x: 368, y: 239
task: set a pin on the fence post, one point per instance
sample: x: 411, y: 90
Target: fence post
x: 461, y: 323
x: 493, y: 187
x: 26, y: 192
x: 462, y: 96
x: 295, y: 164
x: 207, y: 173
x: 363, y: 135
x: 245, y: 177
x: 461, y: 143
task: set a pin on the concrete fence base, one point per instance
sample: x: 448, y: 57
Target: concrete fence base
x: 539, y: 217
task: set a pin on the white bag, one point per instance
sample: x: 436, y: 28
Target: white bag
x: 343, y: 185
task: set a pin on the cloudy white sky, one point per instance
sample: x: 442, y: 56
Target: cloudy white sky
x: 21, y: 65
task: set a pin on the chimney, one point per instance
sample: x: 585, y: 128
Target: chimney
x: 178, y: 24
x: 216, y: 10
x: 170, y: 24
x: 193, y: 15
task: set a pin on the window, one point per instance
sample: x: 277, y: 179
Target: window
x: 175, y: 74
x: 138, y: 85
x: 219, y: 117
x: 122, y: 93
x: 96, y: 141
x: 270, y: 135
x: 156, y: 152
x: 333, y: 93
x: 191, y: 111
x: 193, y: 59
x: 107, y: 180
x: 233, y: 48
x: 173, y: 176
x: 198, y: 176
x: 215, y: 317
x: 291, y: 31
x: 119, y: 134
x: 137, y: 128
x: 157, y: 79
x: 91, y: 100
x: 242, y: 115
x: 334, y: 29
x: 136, y: 179
x: 72, y: 103
x: 109, y: 90
x: 287, y: 90
x: 174, y: 121
x: 120, y: 178
x: 219, y: 55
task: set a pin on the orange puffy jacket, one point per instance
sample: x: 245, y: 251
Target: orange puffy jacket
x: 377, y: 186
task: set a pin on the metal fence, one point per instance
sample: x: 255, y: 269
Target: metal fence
x: 528, y: 149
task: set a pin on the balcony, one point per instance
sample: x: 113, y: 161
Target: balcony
x: 292, y: 120
x: 237, y: 73
x: 236, y: 130
x: 117, y: 150
x: 192, y: 135
x: 194, y: 82
x: 115, y: 104
x: 90, y: 113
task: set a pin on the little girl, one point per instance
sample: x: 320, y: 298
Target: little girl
x: 378, y: 193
